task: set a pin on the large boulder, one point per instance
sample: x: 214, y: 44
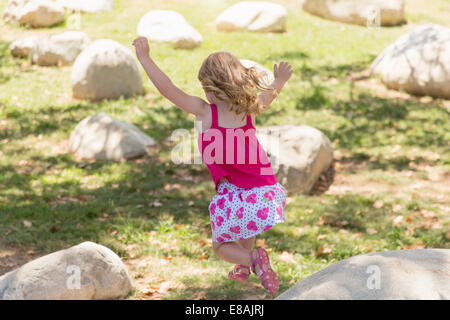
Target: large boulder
x: 169, y: 27
x: 22, y: 47
x: 258, y: 16
x: 36, y: 13
x: 60, y: 49
x: 105, y: 70
x: 301, y: 156
x: 360, y: 12
x: 266, y: 76
x: 85, y: 271
x: 90, y: 6
x: 419, y: 274
x: 418, y: 62
x: 100, y: 137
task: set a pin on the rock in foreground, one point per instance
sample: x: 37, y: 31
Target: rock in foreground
x: 86, y: 271
x: 419, y: 274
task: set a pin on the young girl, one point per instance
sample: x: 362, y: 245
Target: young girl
x: 249, y: 199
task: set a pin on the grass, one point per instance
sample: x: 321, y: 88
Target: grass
x: 153, y: 213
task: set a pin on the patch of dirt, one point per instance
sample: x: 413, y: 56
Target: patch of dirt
x: 435, y: 186
x: 12, y: 257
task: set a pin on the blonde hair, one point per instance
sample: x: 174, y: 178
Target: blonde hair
x: 224, y: 75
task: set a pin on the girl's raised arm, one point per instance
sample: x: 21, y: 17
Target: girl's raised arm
x: 282, y: 73
x: 191, y: 104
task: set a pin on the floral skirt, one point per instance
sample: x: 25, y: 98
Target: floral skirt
x: 241, y: 213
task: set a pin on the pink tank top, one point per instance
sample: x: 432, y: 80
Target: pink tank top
x: 235, y: 153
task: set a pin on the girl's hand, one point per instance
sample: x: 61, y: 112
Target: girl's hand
x: 142, y: 47
x: 282, y: 72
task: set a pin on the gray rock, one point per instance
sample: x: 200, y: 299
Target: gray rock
x: 91, y: 6
x: 299, y: 155
x: 260, y: 16
x: 85, y: 271
x: 360, y: 12
x: 100, y: 137
x: 266, y: 75
x: 59, y: 49
x: 36, y: 13
x: 418, y: 62
x: 23, y: 46
x: 169, y: 26
x: 418, y: 274
x: 106, y: 70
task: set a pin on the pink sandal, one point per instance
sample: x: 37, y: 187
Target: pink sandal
x: 268, y: 277
x: 238, y: 274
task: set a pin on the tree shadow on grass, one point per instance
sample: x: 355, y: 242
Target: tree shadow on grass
x: 66, y: 212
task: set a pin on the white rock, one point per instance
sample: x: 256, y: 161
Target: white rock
x: 59, y: 49
x: 23, y: 46
x: 253, y: 16
x: 40, y: 14
x: 419, y: 274
x: 299, y: 155
x: 267, y: 76
x: 170, y: 27
x: 418, y: 62
x: 105, y: 70
x: 361, y: 12
x: 12, y: 11
x: 100, y: 137
x: 85, y: 271
x: 91, y: 6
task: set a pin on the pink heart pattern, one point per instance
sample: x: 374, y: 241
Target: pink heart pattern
x: 251, y: 198
x: 264, y: 207
x: 240, y: 213
x: 263, y: 213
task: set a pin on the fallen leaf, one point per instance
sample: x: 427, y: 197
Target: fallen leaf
x: 27, y: 223
x: 396, y: 207
x: 203, y: 257
x: 342, y: 223
x: 397, y: 221
x: 322, y: 251
x: 167, y: 258
x: 156, y: 204
x: 321, y: 236
x: 409, y: 220
x: 371, y: 231
x: 418, y: 245
x: 378, y: 204
x: 287, y: 257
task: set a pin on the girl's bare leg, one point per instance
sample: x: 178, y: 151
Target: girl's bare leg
x: 247, y: 243
x: 232, y: 252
